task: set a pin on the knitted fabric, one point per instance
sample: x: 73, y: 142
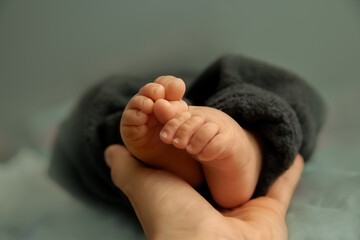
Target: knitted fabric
x: 284, y: 110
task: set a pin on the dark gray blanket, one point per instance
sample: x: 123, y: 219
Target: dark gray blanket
x: 285, y: 110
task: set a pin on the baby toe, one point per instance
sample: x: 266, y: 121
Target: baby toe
x: 133, y: 133
x: 201, y: 137
x: 174, y: 87
x: 133, y: 117
x: 166, y: 110
x: 215, y: 148
x: 186, y: 130
x: 141, y: 103
x: 154, y: 91
x: 168, y: 131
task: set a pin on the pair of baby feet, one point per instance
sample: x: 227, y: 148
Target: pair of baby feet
x: 193, y: 142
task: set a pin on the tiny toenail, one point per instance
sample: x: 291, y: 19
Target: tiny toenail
x: 163, y: 134
x: 176, y: 140
x: 189, y: 147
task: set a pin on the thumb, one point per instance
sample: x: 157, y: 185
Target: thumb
x: 283, y: 188
x: 140, y: 182
x: 157, y: 197
x: 142, y: 185
x: 125, y: 169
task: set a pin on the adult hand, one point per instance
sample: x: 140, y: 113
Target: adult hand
x: 169, y: 208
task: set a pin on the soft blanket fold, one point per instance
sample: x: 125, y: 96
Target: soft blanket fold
x: 281, y: 107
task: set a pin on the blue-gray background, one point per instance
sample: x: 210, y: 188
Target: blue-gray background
x: 52, y: 51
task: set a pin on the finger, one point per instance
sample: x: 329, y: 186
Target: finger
x: 135, y: 181
x: 138, y: 181
x: 157, y: 196
x: 125, y: 169
x: 142, y: 185
x: 283, y: 188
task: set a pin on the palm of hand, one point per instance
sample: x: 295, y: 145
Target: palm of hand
x: 169, y: 208
x: 192, y: 217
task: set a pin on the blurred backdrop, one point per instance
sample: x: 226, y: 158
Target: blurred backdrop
x: 52, y: 51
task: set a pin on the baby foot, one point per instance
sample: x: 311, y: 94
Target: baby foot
x: 140, y: 128
x: 230, y: 155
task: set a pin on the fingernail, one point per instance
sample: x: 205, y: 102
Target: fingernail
x: 176, y: 140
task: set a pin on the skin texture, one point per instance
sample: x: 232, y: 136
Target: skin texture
x: 140, y: 129
x: 165, y: 133
x: 169, y: 208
